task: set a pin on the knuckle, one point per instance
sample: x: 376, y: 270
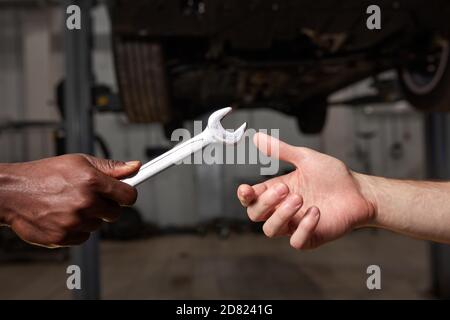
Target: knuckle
x: 296, y: 199
x: 41, y: 217
x: 303, y: 151
x: 267, y: 202
x: 283, y: 216
x: 108, y: 188
x: 90, y: 179
x: 112, y: 164
x: 87, y: 201
x: 131, y: 196
x: 271, y: 199
x: 58, y: 238
x: 75, y: 159
x: 77, y: 156
x: 71, y: 223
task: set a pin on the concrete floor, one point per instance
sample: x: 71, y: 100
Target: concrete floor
x: 246, y: 266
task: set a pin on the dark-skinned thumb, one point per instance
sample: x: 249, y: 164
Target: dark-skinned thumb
x: 115, y: 168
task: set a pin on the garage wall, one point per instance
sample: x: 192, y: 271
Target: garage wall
x: 26, y: 92
x: 381, y: 139
x: 12, y: 106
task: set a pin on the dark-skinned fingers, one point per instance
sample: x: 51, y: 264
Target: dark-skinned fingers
x: 301, y: 238
x: 47, y: 238
x: 116, y: 190
x: 110, y: 215
x: 278, y: 223
x: 114, y: 168
x: 104, y: 209
x: 267, y: 202
x: 74, y: 239
x: 30, y: 234
x: 90, y: 225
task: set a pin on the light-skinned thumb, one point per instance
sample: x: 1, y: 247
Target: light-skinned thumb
x: 274, y: 148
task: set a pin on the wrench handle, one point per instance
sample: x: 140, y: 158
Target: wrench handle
x: 169, y: 158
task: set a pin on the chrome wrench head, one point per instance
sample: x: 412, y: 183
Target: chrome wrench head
x: 214, y: 132
x: 218, y: 133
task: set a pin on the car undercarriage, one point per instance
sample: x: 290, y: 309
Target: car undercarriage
x: 290, y: 56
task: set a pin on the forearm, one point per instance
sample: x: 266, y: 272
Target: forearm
x: 417, y: 208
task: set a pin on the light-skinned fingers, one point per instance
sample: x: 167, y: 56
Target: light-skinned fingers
x: 277, y: 224
x: 266, y: 203
x: 246, y: 195
x: 260, y: 188
x: 301, y: 238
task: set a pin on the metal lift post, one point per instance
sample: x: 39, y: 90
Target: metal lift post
x: 79, y: 130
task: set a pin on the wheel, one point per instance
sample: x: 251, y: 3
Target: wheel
x: 426, y: 80
x: 312, y: 115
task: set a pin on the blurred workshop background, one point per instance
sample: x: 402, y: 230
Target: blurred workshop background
x: 137, y: 70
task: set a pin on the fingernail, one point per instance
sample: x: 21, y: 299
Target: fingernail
x: 281, y: 189
x: 132, y: 163
x: 314, y: 212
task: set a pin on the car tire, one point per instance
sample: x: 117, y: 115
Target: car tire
x: 428, y: 89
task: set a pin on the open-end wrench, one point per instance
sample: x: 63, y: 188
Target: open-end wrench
x: 213, y: 133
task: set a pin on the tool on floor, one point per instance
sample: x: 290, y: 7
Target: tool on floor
x: 213, y: 133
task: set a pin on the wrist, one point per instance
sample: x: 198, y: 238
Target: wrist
x: 6, y: 180
x: 368, y: 189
